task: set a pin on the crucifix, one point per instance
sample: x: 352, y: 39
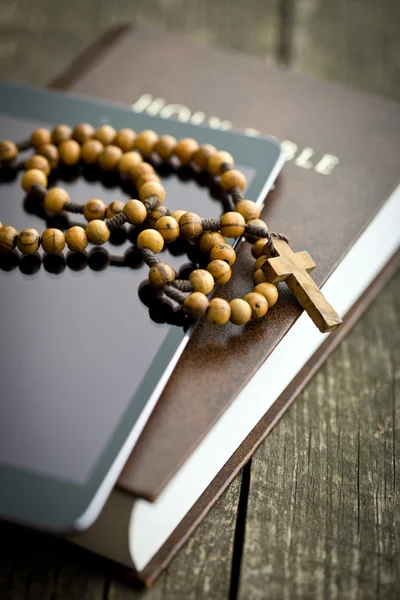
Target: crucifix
x: 294, y: 268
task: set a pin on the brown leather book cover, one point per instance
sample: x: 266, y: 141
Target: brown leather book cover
x: 343, y: 149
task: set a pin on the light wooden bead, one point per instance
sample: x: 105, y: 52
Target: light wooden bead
x: 233, y: 178
x: 209, y: 239
x: 151, y: 239
x: 145, y: 142
x: 156, y: 214
x: 165, y: 146
x: 60, y: 134
x: 70, y: 152
x: 220, y: 270
x: 257, y: 248
x: 196, y: 305
x: 28, y: 241
x: 259, y: 223
x: 105, y: 134
x: 240, y: 311
x: 269, y: 291
x: 152, y: 188
x: 97, y: 232
x: 232, y: 225
x: 1, y: 224
x: 40, y: 137
x: 109, y: 158
x: 8, y: 239
x: 83, y: 132
x: 54, y: 200
x: 258, y: 304
x: 223, y: 252
x: 91, y: 151
x: 114, y: 208
x: 177, y: 214
x: 128, y: 162
x: 50, y: 152
x: 191, y: 226
x: 37, y: 161
x: 8, y: 150
x: 259, y: 262
x: 135, y: 211
x: 219, y: 311
x: 203, y: 154
x: 33, y: 177
x: 259, y: 277
x: 142, y: 179
x: 94, y: 209
x: 143, y: 168
x: 185, y: 149
x: 125, y: 139
x: 202, y: 281
x: 53, y: 241
x: 169, y: 228
x: 161, y: 274
x: 76, y: 239
x: 248, y: 209
x: 216, y: 161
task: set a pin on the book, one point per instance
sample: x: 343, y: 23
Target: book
x: 338, y: 194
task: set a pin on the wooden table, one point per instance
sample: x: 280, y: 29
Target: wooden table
x: 316, y: 514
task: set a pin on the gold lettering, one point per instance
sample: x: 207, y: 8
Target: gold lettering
x: 182, y: 112
x: 142, y: 103
x: 252, y: 132
x: 327, y: 163
x: 303, y: 159
x: 197, y: 117
x: 216, y: 123
x: 289, y: 148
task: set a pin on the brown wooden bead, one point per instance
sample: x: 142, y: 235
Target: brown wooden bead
x: 60, y: 134
x: 1, y: 224
x: 259, y: 262
x: 233, y: 178
x: 32, y: 177
x: 161, y: 274
x: 70, y: 152
x: 151, y: 239
x: 191, y: 226
x: 8, y: 238
x: 202, y: 281
x: 114, y: 208
x: 152, y: 188
x: 219, y: 311
x: 257, y: 248
x: 55, y: 199
x: 128, y: 162
x: 143, y: 168
x: 94, y: 209
x: 97, y: 232
x: 40, y: 137
x: 248, y: 209
x: 209, y: 239
x: 145, y: 142
x: 105, y: 134
x: 28, y: 241
x: 91, y: 151
x: 177, y: 214
x: 185, y: 150
x: 8, y: 150
x: 223, y: 252
x: 125, y: 139
x: 156, y: 214
x: 165, y: 146
x: 145, y: 179
x: 203, y: 154
x: 109, y: 158
x: 232, y: 224
x: 76, y: 239
x: 135, y: 211
x: 50, y: 151
x: 216, y: 161
x: 260, y: 223
x: 240, y: 311
x: 259, y: 277
x: 37, y: 161
x: 169, y: 228
x: 53, y: 241
x: 269, y: 291
x: 83, y: 132
x: 196, y: 305
x: 220, y: 270
x: 258, y: 304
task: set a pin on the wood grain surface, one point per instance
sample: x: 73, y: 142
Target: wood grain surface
x: 315, y: 514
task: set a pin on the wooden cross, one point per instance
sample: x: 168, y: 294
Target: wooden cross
x: 294, y: 268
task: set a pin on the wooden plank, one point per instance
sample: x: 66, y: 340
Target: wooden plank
x: 323, y: 519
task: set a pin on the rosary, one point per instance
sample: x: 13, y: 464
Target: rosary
x: 124, y: 152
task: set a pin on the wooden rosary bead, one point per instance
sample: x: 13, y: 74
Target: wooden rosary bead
x: 191, y: 226
x: 169, y: 228
x: 151, y: 239
x: 32, y: 177
x: 257, y: 248
x: 128, y: 162
x: 8, y: 238
x: 209, y: 239
x: 220, y: 270
x: 219, y: 311
x: 161, y: 274
x: 90, y: 151
x: 114, y: 208
x: 258, y: 304
x: 50, y: 152
x: 135, y: 211
x: 37, y: 161
x: 232, y: 224
x: 269, y: 291
x: 94, y: 209
x: 248, y: 209
x: 203, y: 154
x: 83, y: 132
x: 40, y: 137
x: 70, y: 152
x: 223, y: 252
x: 8, y: 151
x: 259, y: 223
x: 202, y: 281
x: 105, y: 134
x: 259, y: 277
x: 240, y: 311
x: 125, y: 139
x: 142, y: 179
x: 165, y: 146
x: 185, y: 149
x: 145, y: 142
x: 233, y: 178
x: 177, y: 214
x: 109, y: 158
x: 196, y: 305
x: 216, y: 161
x: 53, y: 241
x: 55, y: 199
x: 143, y: 168
x: 28, y: 241
x: 259, y: 262
x: 60, y: 134
x: 97, y: 232
x: 76, y: 239
x: 156, y: 214
x: 152, y: 188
